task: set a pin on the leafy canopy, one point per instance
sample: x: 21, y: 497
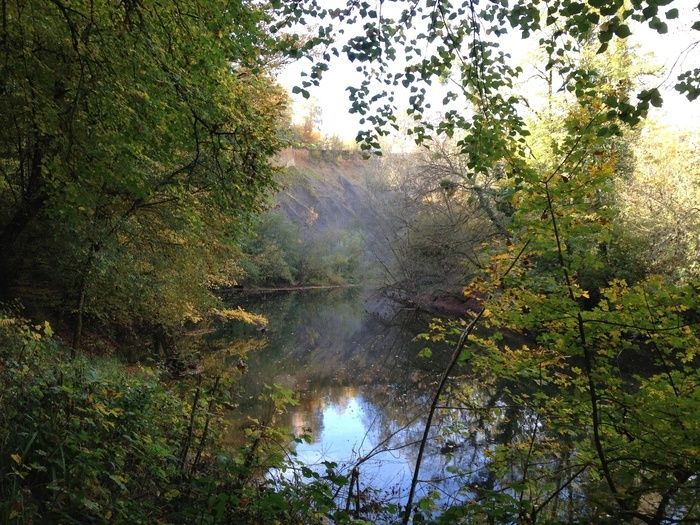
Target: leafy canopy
x: 135, y: 140
x: 416, y: 44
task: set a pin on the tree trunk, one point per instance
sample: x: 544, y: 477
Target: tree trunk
x: 33, y: 200
x: 490, y: 212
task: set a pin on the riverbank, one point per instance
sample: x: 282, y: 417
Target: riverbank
x: 272, y: 289
x: 437, y: 302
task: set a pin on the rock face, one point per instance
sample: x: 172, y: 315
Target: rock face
x: 326, y: 189
x: 333, y: 198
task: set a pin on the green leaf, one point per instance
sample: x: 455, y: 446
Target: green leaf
x: 425, y: 353
x: 119, y: 480
x: 622, y: 31
x: 657, y: 24
x: 464, y: 356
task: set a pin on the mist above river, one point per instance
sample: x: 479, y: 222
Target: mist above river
x: 362, y: 392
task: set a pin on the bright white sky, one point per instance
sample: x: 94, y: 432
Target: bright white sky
x: 663, y: 50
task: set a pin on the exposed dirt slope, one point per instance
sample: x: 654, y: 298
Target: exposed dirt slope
x: 327, y: 190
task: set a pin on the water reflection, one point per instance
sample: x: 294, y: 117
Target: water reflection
x: 363, y: 394
x: 363, y: 429
x: 348, y: 434
x: 362, y: 390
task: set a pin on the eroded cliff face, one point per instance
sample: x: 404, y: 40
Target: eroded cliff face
x: 324, y: 222
x: 326, y: 190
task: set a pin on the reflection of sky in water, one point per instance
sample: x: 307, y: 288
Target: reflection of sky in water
x: 362, y: 392
x: 343, y: 430
x: 348, y: 433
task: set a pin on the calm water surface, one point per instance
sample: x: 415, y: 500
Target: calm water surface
x: 362, y: 391
x: 351, y: 360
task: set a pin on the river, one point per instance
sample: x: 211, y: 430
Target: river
x: 351, y: 360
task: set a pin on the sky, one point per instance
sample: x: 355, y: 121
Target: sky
x: 663, y: 50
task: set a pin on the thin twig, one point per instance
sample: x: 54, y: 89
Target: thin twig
x: 205, y: 431
x: 436, y: 398
x: 190, y: 429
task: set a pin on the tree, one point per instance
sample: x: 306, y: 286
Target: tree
x: 607, y: 366
x: 606, y: 417
x: 435, y: 218
x: 463, y: 42
x: 658, y: 203
x: 134, y: 137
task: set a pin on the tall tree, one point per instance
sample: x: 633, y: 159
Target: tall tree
x: 129, y: 132
x: 606, y: 371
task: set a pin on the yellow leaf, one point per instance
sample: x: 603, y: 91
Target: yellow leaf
x: 239, y: 314
x: 16, y: 458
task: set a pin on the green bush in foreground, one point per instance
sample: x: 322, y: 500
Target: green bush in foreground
x: 91, y: 441
x: 80, y: 442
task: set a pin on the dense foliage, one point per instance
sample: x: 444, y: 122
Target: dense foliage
x: 281, y: 252
x: 86, y: 440
x: 606, y: 382
x: 135, y: 145
x: 134, y: 141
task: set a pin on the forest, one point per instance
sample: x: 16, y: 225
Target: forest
x: 483, y: 309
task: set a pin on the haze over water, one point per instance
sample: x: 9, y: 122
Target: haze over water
x: 362, y: 391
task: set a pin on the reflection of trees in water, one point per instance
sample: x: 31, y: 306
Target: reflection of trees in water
x: 459, y: 437
x: 329, y: 350
x: 525, y: 461
x: 468, y: 427
x: 484, y: 447
x: 326, y: 339
x: 306, y: 417
x: 455, y: 456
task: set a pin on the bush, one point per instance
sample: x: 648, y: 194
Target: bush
x: 88, y: 440
x: 81, y: 440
